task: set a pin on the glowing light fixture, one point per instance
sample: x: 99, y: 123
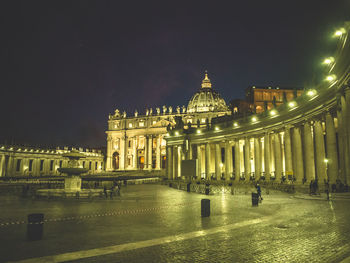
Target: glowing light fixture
x: 177, y: 133
x: 217, y: 128
x: 292, y: 104
x: 311, y: 93
x: 167, y: 134
x: 198, y: 131
x: 254, y: 119
x: 326, y: 160
x: 328, y: 61
x: 330, y: 78
x: 235, y: 124
x: 273, y: 113
x: 221, y: 165
x: 339, y: 32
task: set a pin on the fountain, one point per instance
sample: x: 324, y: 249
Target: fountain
x: 72, y: 180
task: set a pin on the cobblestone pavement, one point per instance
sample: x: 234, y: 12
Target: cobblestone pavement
x: 155, y: 223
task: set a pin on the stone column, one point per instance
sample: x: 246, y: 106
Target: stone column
x: 146, y: 153
x: 189, y: 151
x: 109, y: 154
x: 345, y: 104
x: 298, y: 154
x: 309, y: 153
x: 345, y: 140
x: 176, y: 162
x: 158, y: 152
x: 2, y: 165
x: 247, y: 164
x: 134, y: 152
x: 199, y: 161
x: 257, y: 158
x: 237, y: 160
x: 228, y: 160
x: 179, y: 152
x: 331, y: 149
x: 341, y: 146
x: 207, y: 160
x: 217, y: 161
x: 9, y: 169
x: 122, y: 156
x: 267, y: 156
x: 169, y: 159
x: 150, y: 152
x: 278, y: 157
x: 320, y: 153
x: 288, y: 151
x: 272, y: 155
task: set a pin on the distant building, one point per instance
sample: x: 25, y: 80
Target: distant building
x: 137, y: 142
x: 29, y: 161
x: 260, y: 98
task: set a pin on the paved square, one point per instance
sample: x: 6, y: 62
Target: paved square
x: 155, y: 223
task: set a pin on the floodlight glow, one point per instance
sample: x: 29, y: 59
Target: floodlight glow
x: 177, y: 133
x: 198, y: 131
x: 167, y: 134
x: 339, y: 32
x: 328, y: 61
x: 311, y: 93
x: 216, y: 128
x: 326, y: 160
x: 235, y: 124
x: 291, y: 104
x: 254, y: 119
x: 221, y: 165
x: 330, y: 78
x: 273, y: 113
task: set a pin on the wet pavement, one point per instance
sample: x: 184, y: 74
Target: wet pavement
x: 155, y: 223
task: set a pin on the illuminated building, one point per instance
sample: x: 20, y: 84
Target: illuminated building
x: 137, y: 142
x: 261, y: 98
x: 29, y: 161
x: 288, y: 143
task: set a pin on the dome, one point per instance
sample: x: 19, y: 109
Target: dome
x: 206, y: 99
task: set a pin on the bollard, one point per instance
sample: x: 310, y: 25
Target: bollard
x: 35, y: 227
x: 205, y: 207
x: 189, y: 187
x: 255, y: 199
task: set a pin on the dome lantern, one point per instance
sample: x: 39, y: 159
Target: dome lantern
x: 206, y: 99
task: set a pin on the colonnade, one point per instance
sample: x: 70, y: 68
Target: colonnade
x: 312, y: 148
x: 19, y: 162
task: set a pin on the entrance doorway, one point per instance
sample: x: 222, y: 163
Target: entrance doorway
x: 141, y: 162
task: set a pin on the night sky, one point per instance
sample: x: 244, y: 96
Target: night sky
x: 65, y: 65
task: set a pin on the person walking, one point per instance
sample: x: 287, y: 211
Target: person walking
x: 326, y: 186
x: 105, y: 191
x: 112, y: 192
x: 258, y: 189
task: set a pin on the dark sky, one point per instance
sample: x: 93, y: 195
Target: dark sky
x: 65, y: 65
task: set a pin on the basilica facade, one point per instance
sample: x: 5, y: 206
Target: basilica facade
x: 137, y: 142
